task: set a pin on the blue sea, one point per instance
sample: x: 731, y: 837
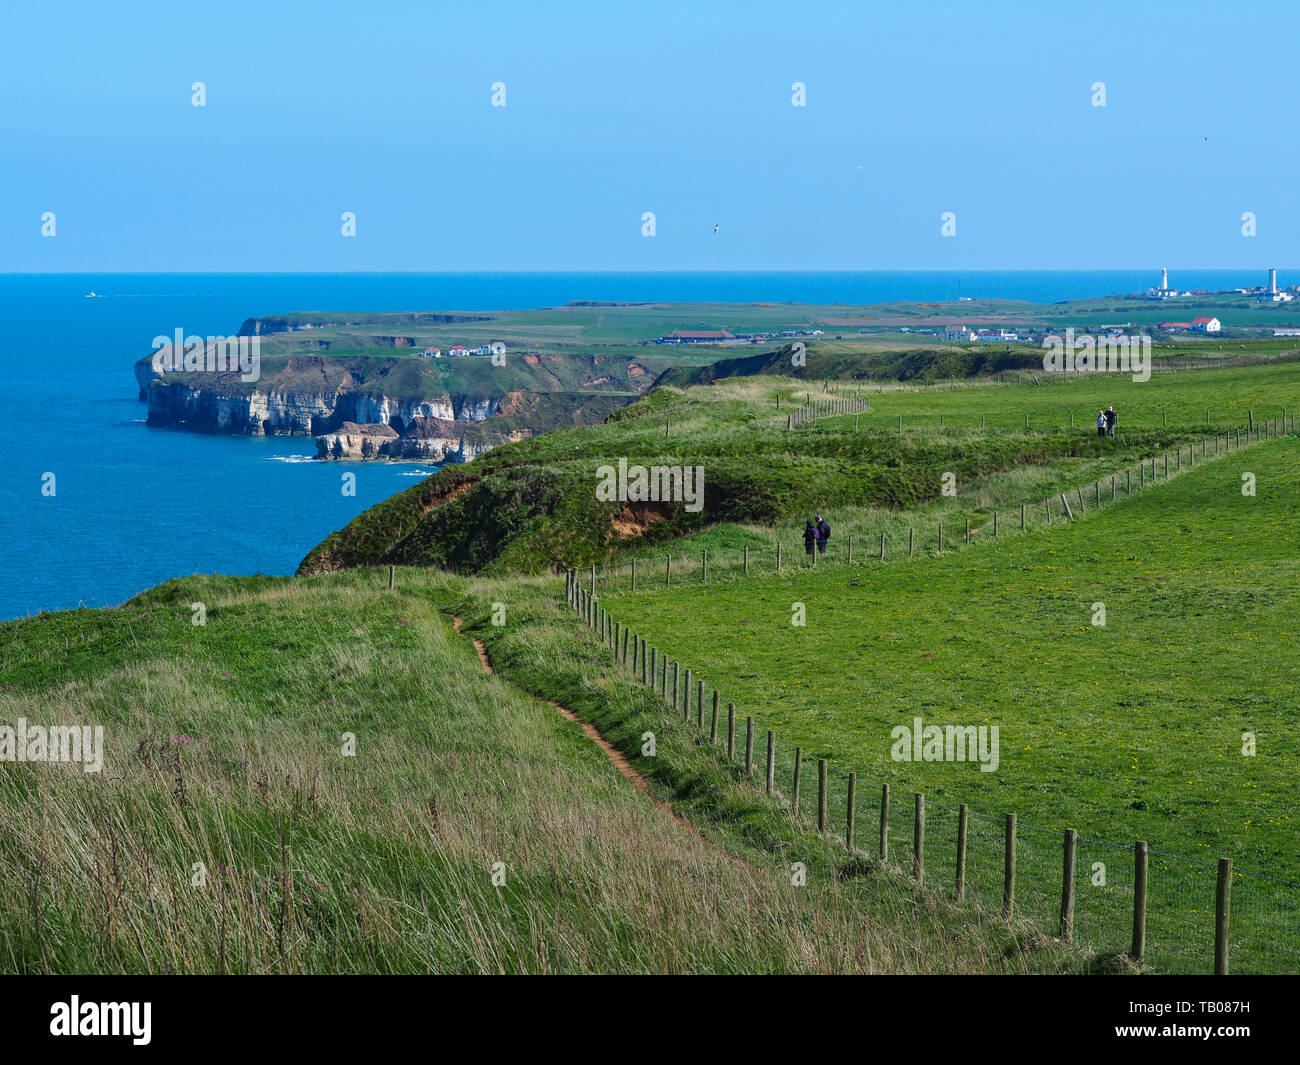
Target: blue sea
x: 134, y: 506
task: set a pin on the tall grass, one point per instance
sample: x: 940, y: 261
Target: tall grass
x: 228, y: 833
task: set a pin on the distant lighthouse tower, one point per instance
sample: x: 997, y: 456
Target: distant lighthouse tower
x: 1272, y: 280
x: 1164, y: 279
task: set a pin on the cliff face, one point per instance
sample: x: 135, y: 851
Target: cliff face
x: 434, y: 440
x: 304, y: 413
x: 362, y: 405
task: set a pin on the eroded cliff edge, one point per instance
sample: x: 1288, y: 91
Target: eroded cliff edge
x: 366, y: 406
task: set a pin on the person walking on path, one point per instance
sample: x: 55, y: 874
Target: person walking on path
x: 823, y: 533
x: 1101, y: 423
x: 809, y: 537
x: 1111, y: 418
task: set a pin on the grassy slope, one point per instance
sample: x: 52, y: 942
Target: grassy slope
x: 532, y: 505
x: 224, y: 748
x: 1131, y: 731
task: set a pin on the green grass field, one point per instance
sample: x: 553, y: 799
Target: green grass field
x: 1129, y: 731
x: 226, y: 754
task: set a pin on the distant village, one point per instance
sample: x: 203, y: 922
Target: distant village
x: 1266, y: 293
x: 494, y: 348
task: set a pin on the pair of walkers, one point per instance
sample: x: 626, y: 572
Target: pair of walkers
x: 816, y: 533
x: 1106, y: 422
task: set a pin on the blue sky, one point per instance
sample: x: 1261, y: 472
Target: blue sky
x: 384, y: 109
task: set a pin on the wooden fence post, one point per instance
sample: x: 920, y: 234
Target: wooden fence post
x: 882, y: 545
x: 704, y: 566
x: 771, y: 763
x: 1139, y: 900
x: 747, y: 561
x: 634, y: 575
x: 778, y: 558
x: 1067, y: 884
x: 1022, y: 517
x: 676, y: 667
x: 911, y: 535
x: 821, y: 794
x: 995, y: 524
x: 961, y: 852
x: 731, y: 731
x: 940, y: 536
x: 1222, y: 913
x: 392, y: 577
x: 699, y: 704
x: 850, y: 811
x: 1009, y: 869
x: 884, y: 821
x: 918, y: 839
x: 749, y: 747
x: 794, y: 786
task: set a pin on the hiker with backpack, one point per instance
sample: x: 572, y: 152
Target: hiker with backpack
x: 810, y: 536
x: 823, y: 533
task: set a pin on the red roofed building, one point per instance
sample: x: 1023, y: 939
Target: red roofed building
x: 1206, y: 325
x: 1174, y: 327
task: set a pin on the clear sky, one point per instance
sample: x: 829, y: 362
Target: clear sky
x: 614, y: 109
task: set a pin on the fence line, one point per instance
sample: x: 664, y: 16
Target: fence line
x: 1148, y: 906
x: 1057, y: 506
x: 1158, y: 905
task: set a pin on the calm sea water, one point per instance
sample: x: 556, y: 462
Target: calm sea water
x: 135, y: 506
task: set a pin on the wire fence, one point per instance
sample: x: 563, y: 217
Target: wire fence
x: 1174, y: 914
x: 782, y: 557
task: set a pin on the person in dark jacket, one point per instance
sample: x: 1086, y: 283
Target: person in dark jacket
x: 823, y: 533
x: 809, y: 537
x: 1111, y: 418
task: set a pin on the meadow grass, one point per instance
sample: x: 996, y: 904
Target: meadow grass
x: 1129, y: 731
x: 230, y: 833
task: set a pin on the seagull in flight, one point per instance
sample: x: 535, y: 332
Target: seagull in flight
x: 715, y: 227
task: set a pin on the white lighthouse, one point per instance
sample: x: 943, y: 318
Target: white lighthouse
x: 1164, y: 292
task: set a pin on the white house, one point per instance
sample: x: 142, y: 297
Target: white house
x: 1206, y: 325
x: 431, y: 353
x: 458, y: 352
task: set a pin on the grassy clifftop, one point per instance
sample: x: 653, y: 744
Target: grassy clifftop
x: 533, y: 505
x: 323, y: 779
